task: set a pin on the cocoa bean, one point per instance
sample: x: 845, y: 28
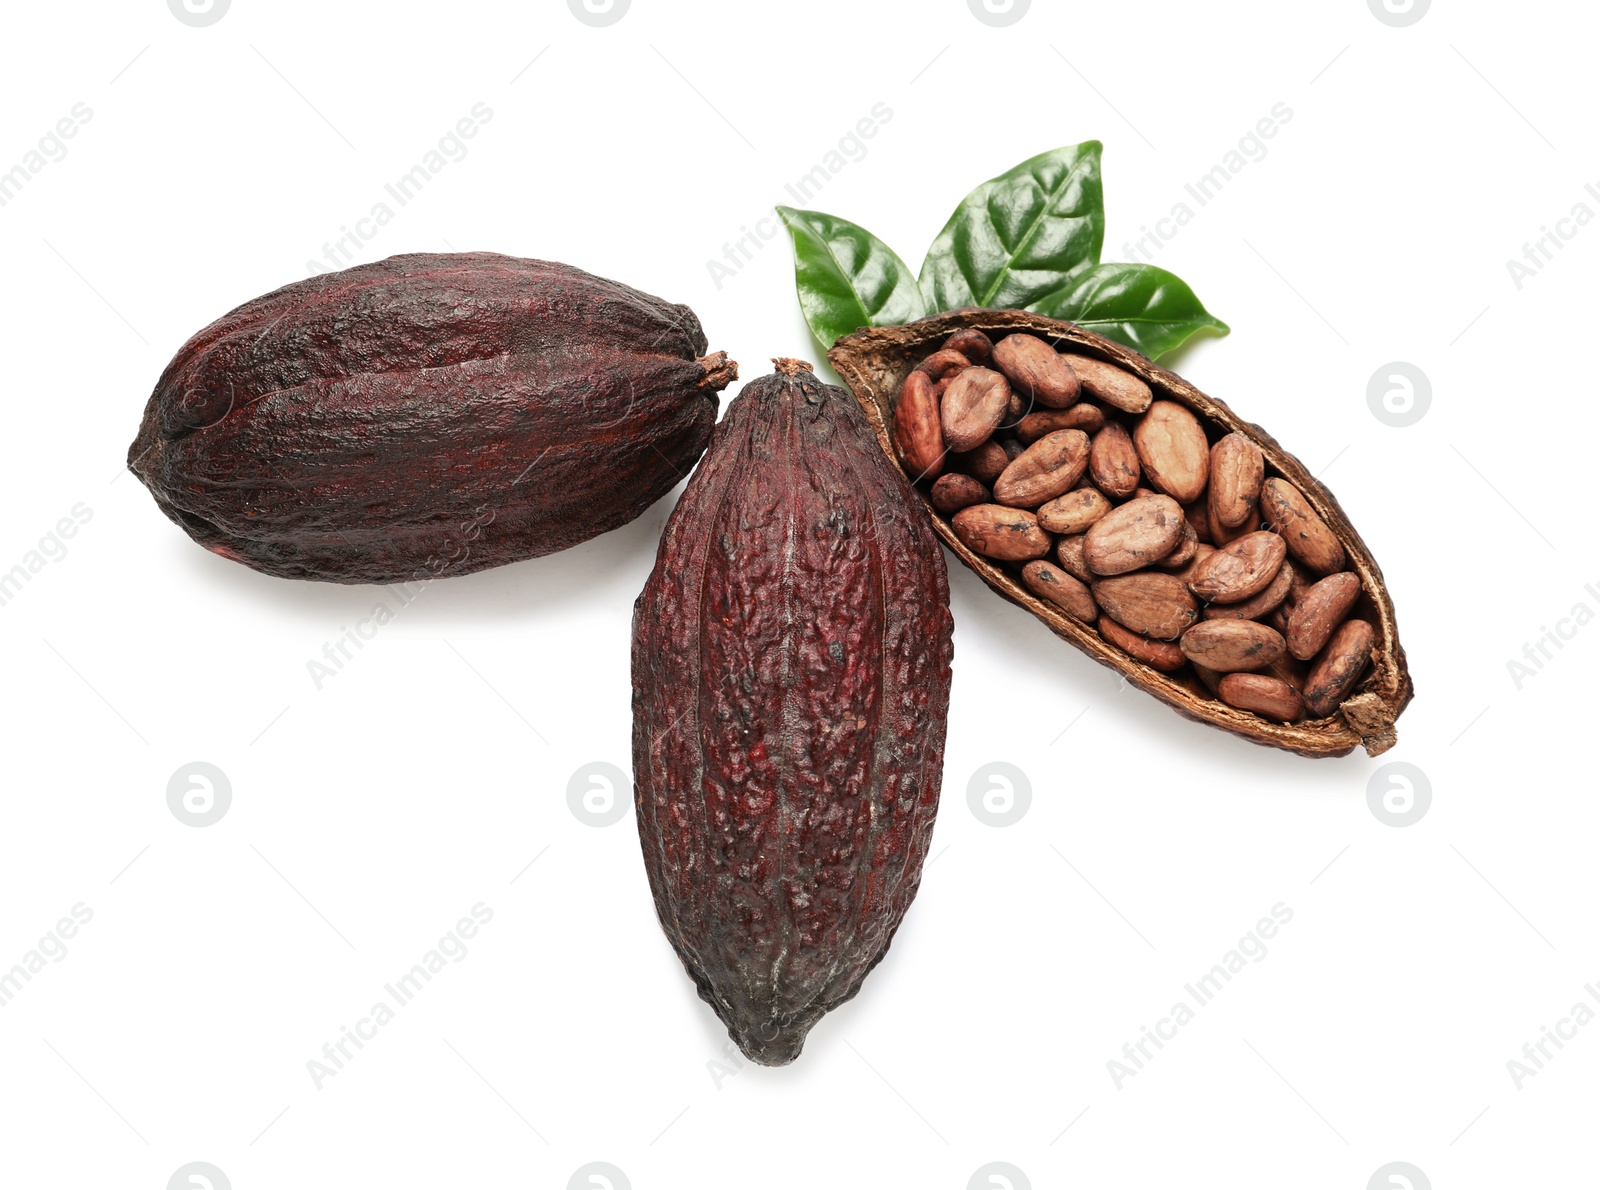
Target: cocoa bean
x: 1044, y: 470
x: 1172, y: 450
x: 1199, y: 520
x: 995, y: 531
x: 1036, y: 370
x: 1149, y: 603
x: 1262, y: 694
x: 1307, y: 535
x: 1109, y: 383
x: 1134, y: 535
x: 1157, y: 654
x: 1202, y: 551
x: 1073, y: 512
x: 1319, y: 611
x: 378, y: 425
x: 1069, y: 552
x: 944, y: 365
x: 1237, y: 470
x: 916, y: 428
x: 973, y: 407
x: 984, y: 462
x: 1081, y: 416
x: 791, y: 680
x: 973, y: 344
x: 1341, y: 662
x: 1060, y: 588
x: 1229, y: 646
x: 1256, y: 607
x: 953, y: 492
x: 1241, y: 569
x: 1183, y: 553
x: 1113, y: 463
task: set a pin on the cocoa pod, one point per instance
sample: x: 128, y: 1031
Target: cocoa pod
x: 1229, y: 646
x: 973, y: 407
x: 953, y: 492
x: 1036, y: 371
x: 1320, y: 610
x: 1044, y: 470
x: 916, y: 427
x: 1172, y: 450
x: 427, y: 415
x: 874, y: 361
x: 1149, y: 603
x: 791, y: 678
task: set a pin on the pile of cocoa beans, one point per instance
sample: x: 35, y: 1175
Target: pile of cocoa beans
x: 1175, y: 544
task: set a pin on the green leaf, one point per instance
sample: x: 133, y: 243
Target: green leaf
x: 1021, y: 235
x: 848, y: 278
x: 1140, y: 305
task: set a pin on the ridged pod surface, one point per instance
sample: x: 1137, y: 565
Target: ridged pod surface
x: 791, y: 677
x: 427, y: 415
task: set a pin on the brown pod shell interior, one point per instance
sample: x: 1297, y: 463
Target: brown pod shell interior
x: 874, y: 361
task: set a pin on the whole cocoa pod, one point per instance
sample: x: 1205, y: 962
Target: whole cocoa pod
x: 427, y: 415
x: 791, y: 675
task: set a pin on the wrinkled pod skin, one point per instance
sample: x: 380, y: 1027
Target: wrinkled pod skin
x: 427, y: 415
x: 791, y: 676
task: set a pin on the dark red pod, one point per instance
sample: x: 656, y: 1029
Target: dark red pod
x: 427, y: 415
x: 791, y: 677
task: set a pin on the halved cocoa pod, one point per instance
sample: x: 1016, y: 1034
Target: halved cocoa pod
x: 427, y: 415
x: 791, y: 676
x: 874, y: 362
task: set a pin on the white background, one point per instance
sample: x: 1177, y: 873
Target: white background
x: 369, y: 815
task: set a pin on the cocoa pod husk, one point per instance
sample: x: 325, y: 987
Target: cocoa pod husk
x: 874, y: 361
x: 427, y: 415
x: 791, y: 679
